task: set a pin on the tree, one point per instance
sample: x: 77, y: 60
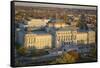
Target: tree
x: 74, y: 54
x: 93, y: 52
x: 82, y: 23
x: 70, y: 57
x: 22, y: 51
x: 17, y: 46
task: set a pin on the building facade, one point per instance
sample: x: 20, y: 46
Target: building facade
x: 64, y: 37
x: 57, y: 24
x: 91, y: 37
x: 37, y: 22
x: 57, y: 34
x: 38, y: 41
x: 82, y: 37
x: 76, y: 37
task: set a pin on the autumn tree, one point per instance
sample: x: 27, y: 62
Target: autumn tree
x: 69, y: 57
x: 22, y: 51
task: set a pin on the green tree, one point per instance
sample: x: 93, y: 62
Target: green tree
x: 93, y: 52
x: 17, y: 45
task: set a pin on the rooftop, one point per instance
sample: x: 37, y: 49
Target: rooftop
x: 53, y: 20
x: 68, y: 28
x: 80, y: 30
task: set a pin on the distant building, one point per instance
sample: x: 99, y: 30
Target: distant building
x: 57, y: 24
x: 37, y: 22
x: 75, y: 21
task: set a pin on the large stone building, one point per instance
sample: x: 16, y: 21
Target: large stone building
x: 68, y: 36
x: 39, y: 41
x: 55, y: 34
x: 82, y: 38
x: 64, y: 36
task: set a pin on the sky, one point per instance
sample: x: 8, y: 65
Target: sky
x: 54, y: 5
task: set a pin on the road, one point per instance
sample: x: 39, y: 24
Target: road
x: 40, y: 59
